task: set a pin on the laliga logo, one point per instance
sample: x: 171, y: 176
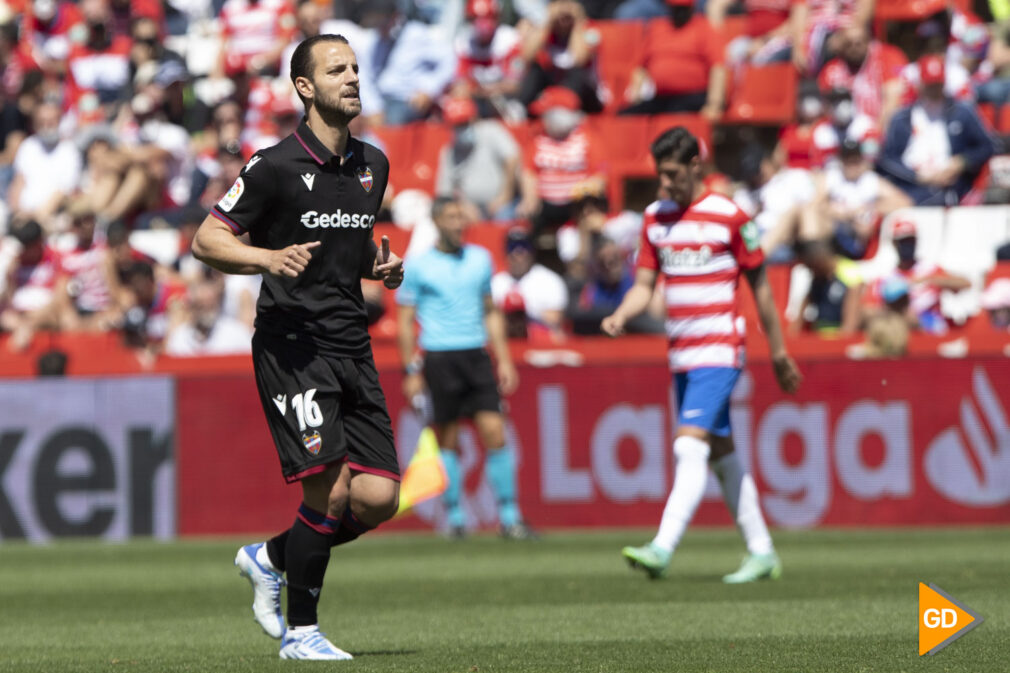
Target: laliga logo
x: 948, y: 463
x: 337, y: 220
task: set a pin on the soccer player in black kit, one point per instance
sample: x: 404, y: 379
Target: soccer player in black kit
x: 308, y: 206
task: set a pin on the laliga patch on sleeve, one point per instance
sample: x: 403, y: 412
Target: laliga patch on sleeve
x: 231, y: 198
x: 749, y: 234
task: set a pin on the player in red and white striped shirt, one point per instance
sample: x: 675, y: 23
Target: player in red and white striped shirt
x: 702, y: 243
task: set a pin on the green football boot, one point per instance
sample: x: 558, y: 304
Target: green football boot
x: 649, y: 558
x: 756, y: 567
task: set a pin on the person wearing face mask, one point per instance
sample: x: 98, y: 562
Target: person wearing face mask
x: 47, y: 168
x: 925, y: 281
x: 936, y: 147
x: 841, y: 119
x: 682, y: 68
x: 875, y: 71
x: 561, y: 157
x: 101, y: 62
x: 480, y: 166
x: 47, y: 27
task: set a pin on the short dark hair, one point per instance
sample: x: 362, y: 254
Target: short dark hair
x: 439, y: 205
x: 302, y: 64
x: 677, y: 144
x: 140, y: 269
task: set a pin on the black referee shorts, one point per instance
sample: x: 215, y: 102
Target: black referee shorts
x: 461, y: 383
x: 323, y: 410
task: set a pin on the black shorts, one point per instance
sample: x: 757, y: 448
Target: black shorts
x: 323, y: 409
x: 461, y: 383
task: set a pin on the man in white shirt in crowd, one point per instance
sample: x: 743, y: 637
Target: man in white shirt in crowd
x: 540, y: 292
x: 46, y: 168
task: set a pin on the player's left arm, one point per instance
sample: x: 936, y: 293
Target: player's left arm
x: 786, y: 372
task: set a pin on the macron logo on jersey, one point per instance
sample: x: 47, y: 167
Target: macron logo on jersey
x: 309, y: 179
x: 337, y: 220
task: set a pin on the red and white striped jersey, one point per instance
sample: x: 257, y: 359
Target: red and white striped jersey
x: 561, y: 165
x: 253, y: 28
x: 701, y: 251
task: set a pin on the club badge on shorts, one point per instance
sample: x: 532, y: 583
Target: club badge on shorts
x: 312, y: 443
x: 365, y: 178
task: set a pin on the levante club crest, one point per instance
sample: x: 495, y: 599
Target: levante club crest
x: 365, y: 178
x: 313, y: 443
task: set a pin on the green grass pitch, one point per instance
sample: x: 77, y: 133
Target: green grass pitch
x: 847, y: 602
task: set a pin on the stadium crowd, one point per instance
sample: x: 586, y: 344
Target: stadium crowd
x: 123, y: 120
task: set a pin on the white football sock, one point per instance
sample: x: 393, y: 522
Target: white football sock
x: 740, y: 494
x: 688, y: 489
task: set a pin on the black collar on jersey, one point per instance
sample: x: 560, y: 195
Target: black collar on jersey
x: 318, y: 151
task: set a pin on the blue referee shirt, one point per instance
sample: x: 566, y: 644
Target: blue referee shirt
x: 448, y: 291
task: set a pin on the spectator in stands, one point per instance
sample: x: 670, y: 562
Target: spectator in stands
x: 26, y: 299
x: 819, y: 30
x: 849, y: 203
x: 875, y: 69
x: 89, y: 292
x: 994, y: 86
x: 254, y: 34
x: 156, y: 306
x: 682, y: 69
x: 418, y: 67
x: 887, y: 329
x: 538, y: 293
x: 831, y: 307
x: 842, y: 120
x: 996, y: 302
x: 562, y: 52
x: 124, y: 257
x: 49, y: 28
x: 768, y: 30
x: 924, y: 281
x: 560, y: 158
x: 591, y: 223
x: 775, y: 197
x: 935, y: 148
x: 490, y: 65
x: 600, y: 293
x: 46, y: 169
x: 480, y: 166
x: 797, y: 146
x: 99, y: 64
x: 152, y: 169
x: 205, y: 329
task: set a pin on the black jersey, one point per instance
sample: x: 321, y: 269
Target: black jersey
x: 297, y: 192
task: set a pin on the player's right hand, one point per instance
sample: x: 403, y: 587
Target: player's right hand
x: 292, y: 260
x: 787, y: 374
x: 613, y: 325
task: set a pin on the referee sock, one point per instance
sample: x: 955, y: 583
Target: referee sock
x: 688, y: 489
x: 454, y: 490
x: 307, y: 554
x: 349, y: 528
x: 740, y: 494
x: 500, y: 471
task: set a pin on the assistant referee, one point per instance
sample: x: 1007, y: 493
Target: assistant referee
x: 308, y: 206
x: 449, y: 292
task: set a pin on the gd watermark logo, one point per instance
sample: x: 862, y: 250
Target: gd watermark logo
x: 942, y: 620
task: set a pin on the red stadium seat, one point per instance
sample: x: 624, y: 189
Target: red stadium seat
x: 767, y: 95
x: 620, y: 51
x: 428, y: 142
x: 399, y: 142
x: 1003, y: 123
